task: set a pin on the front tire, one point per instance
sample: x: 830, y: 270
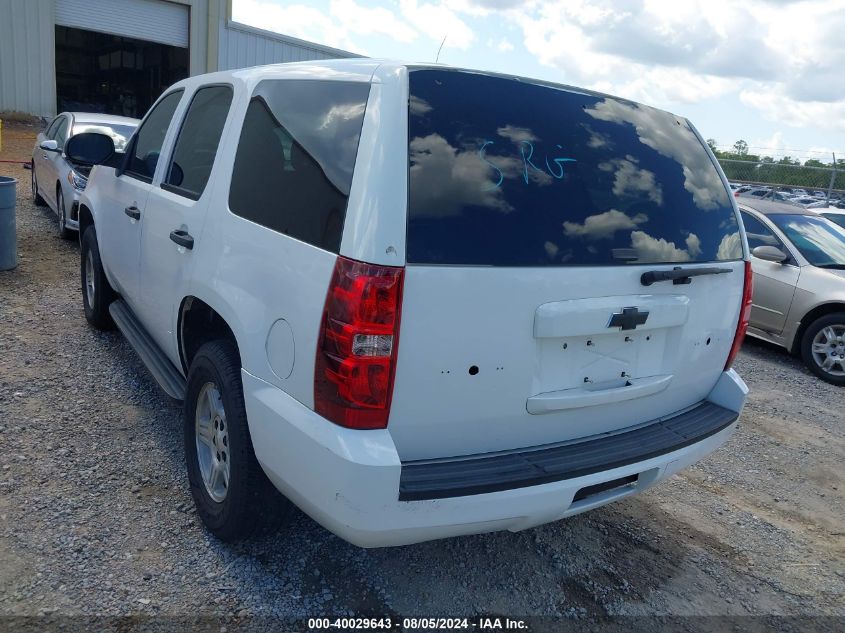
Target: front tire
x: 33, y: 182
x: 64, y: 232
x: 97, y: 293
x: 823, y: 348
x: 232, y: 494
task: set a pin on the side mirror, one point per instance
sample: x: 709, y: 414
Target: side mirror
x: 770, y: 254
x: 49, y: 146
x: 89, y: 148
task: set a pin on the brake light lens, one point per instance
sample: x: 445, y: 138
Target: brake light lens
x: 744, y: 315
x: 356, y: 353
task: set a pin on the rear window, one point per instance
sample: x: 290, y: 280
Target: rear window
x: 507, y: 173
x: 296, y: 155
x: 120, y: 134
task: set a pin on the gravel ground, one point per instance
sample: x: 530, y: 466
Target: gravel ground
x: 96, y: 517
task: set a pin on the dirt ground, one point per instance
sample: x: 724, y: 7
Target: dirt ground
x: 96, y: 517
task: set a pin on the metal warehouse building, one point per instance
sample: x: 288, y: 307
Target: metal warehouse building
x: 117, y: 56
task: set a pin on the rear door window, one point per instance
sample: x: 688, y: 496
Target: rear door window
x: 296, y: 155
x: 199, y: 137
x: 508, y: 173
x: 146, y: 145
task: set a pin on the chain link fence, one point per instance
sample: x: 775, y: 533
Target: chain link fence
x: 828, y: 179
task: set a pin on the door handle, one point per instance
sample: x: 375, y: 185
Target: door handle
x: 182, y: 238
x: 133, y: 212
x: 43, y: 155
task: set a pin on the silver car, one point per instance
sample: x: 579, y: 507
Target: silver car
x: 834, y: 214
x: 798, y: 261
x: 55, y: 182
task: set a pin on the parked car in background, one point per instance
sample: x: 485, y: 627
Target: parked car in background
x: 766, y: 194
x: 798, y: 259
x: 570, y: 309
x: 834, y: 214
x: 808, y: 202
x: 57, y: 183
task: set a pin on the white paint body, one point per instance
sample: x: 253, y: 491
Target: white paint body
x: 534, y: 333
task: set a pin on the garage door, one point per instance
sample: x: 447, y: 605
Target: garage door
x: 151, y: 20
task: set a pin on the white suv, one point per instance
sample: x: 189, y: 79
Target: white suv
x: 420, y: 301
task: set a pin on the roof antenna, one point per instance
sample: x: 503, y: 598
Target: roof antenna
x: 439, y: 49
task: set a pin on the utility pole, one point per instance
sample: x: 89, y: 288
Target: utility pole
x: 832, y: 178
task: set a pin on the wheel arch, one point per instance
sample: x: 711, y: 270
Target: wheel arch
x: 817, y: 312
x: 86, y: 219
x: 199, y: 323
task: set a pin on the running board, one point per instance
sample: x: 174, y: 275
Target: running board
x: 157, y: 363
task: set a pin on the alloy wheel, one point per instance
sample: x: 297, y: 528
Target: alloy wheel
x: 828, y: 349
x: 212, y: 441
x: 89, y: 278
x: 60, y: 203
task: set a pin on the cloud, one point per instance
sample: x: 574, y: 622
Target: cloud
x: 447, y: 178
x: 664, y: 51
x: 778, y: 107
x: 671, y: 138
x: 418, y: 106
x: 371, y: 21
x: 497, y: 4
x: 651, y: 249
x: 516, y: 134
x: 783, y: 58
x: 693, y: 245
x: 437, y: 21
x: 336, y: 27
x: 504, y: 46
x: 631, y: 180
x: 603, y: 225
x: 730, y: 247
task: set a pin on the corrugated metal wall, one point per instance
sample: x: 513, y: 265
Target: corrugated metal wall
x: 150, y: 20
x: 28, y: 62
x: 27, y: 56
x: 241, y: 46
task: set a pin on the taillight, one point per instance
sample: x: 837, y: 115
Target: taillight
x: 356, y: 353
x: 744, y: 315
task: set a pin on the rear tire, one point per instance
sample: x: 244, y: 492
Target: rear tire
x: 97, y: 293
x: 823, y: 348
x: 64, y: 232
x: 232, y: 494
x: 36, y: 197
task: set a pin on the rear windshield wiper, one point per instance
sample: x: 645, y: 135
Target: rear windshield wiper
x: 680, y: 275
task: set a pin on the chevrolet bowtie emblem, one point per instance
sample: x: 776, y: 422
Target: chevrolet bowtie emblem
x: 628, y: 319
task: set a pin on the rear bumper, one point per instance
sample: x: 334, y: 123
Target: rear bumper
x: 350, y: 481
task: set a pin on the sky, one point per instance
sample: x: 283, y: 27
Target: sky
x: 770, y: 72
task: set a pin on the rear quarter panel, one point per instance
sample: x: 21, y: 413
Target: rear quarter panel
x: 255, y: 277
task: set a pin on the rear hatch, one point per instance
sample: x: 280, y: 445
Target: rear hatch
x: 534, y: 213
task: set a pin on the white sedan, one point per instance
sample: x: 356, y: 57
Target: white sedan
x: 55, y: 182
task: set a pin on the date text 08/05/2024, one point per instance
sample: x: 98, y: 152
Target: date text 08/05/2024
x: 477, y: 623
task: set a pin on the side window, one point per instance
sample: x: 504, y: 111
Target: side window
x: 759, y: 234
x: 296, y: 155
x: 61, y: 132
x: 146, y: 147
x: 196, y: 146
